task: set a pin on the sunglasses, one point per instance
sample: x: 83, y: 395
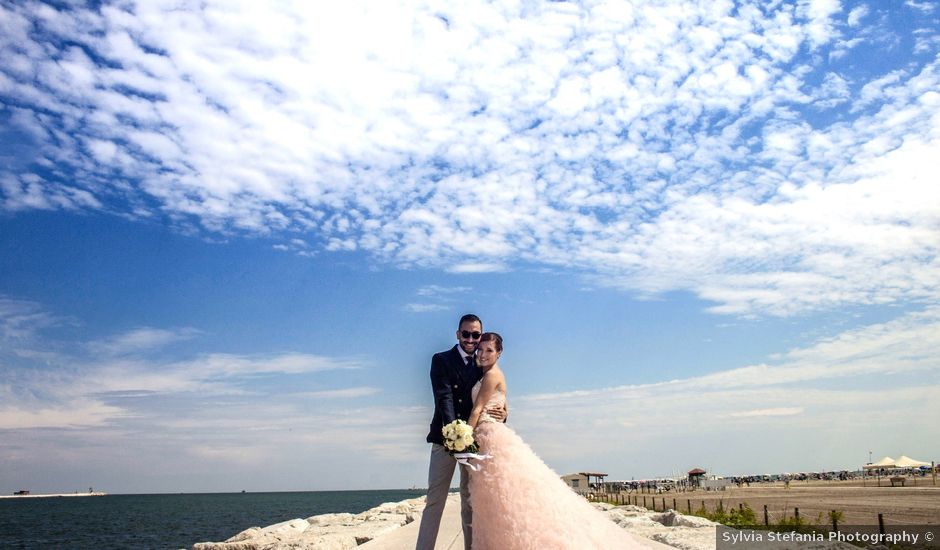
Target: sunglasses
x: 474, y: 335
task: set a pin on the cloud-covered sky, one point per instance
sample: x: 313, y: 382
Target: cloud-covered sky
x: 233, y: 232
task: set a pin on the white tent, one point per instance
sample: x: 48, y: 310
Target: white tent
x: 886, y: 462
x: 907, y: 462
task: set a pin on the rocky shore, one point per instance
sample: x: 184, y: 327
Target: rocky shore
x: 324, y: 532
x: 344, y: 531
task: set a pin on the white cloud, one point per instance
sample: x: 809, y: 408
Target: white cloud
x: 925, y: 7
x: 436, y: 298
x: 820, y: 12
x: 71, y: 379
x: 345, y: 393
x: 22, y: 319
x: 781, y: 411
x: 29, y: 191
x: 654, y: 148
x: 476, y: 267
x: 141, y: 339
x: 436, y: 291
x: 856, y: 15
x: 30, y: 407
x: 926, y: 40
x: 226, y: 365
x: 76, y: 414
x: 425, y: 308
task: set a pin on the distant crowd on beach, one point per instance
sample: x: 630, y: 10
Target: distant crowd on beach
x: 664, y: 485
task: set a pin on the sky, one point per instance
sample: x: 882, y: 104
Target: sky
x: 233, y: 233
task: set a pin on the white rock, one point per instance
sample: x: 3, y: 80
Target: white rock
x: 671, y: 518
x: 249, y: 533
x: 286, y: 529
x: 686, y: 538
x: 340, y: 531
x: 331, y: 519
x: 225, y: 546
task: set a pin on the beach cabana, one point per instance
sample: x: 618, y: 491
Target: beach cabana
x: 581, y: 482
x: 598, y: 482
x: 577, y: 482
x: 696, y: 475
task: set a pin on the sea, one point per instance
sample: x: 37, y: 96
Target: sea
x: 167, y: 521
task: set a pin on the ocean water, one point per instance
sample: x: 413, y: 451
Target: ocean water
x: 166, y: 521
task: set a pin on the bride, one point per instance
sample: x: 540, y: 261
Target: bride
x: 518, y: 501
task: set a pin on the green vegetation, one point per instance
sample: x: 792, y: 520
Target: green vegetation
x: 736, y: 517
x: 745, y: 517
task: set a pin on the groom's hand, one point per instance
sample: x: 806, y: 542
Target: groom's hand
x: 499, y: 414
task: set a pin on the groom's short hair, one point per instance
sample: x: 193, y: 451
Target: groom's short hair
x: 469, y: 318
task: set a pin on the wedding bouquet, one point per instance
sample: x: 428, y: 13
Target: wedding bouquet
x: 458, y: 438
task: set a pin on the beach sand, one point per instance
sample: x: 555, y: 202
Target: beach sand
x: 860, y: 504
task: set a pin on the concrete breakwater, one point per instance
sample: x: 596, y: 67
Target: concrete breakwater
x: 345, y: 531
x: 58, y: 495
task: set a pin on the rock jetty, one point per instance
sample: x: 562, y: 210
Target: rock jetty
x: 344, y: 531
x: 324, y: 532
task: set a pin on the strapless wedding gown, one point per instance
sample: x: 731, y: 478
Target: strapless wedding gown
x: 520, y: 503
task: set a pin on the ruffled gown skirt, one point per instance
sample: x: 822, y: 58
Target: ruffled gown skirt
x: 519, y: 503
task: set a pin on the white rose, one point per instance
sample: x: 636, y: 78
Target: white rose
x: 459, y: 445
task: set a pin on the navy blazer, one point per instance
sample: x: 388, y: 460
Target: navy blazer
x: 451, y: 382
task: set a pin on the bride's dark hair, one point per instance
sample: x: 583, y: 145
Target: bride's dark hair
x: 487, y: 336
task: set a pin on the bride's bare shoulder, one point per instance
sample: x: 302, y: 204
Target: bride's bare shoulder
x: 494, y: 376
x: 498, y: 375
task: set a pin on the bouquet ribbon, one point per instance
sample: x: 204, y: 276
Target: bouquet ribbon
x: 464, y: 458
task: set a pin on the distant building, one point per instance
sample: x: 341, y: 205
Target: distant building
x: 581, y: 482
x: 21, y: 493
x: 577, y: 482
x: 696, y: 476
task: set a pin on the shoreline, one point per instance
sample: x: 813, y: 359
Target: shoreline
x: 56, y: 495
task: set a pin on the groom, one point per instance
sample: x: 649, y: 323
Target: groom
x: 453, y: 374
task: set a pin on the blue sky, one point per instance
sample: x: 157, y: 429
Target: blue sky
x: 232, y: 235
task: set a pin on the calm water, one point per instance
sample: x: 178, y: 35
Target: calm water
x: 166, y: 521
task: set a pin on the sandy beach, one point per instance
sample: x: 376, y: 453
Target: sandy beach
x: 860, y: 504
